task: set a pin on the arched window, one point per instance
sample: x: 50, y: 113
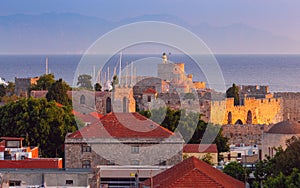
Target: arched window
x: 239, y: 122
x: 229, y: 120
x: 125, y: 101
x: 249, y: 117
x: 82, y: 99
x: 108, y: 105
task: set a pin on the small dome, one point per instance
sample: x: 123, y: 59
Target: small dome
x: 285, y: 127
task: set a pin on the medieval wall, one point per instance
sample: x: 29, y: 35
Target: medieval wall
x: 254, y: 111
x: 291, y: 105
x: 244, y: 134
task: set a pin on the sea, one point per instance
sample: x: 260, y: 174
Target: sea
x: 280, y: 72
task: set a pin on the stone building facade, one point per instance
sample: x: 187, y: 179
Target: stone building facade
x: 22, y: 85
x: 119, y: 100
x: 278, y: 135
x: 290, y: 105
x: 122, y: 139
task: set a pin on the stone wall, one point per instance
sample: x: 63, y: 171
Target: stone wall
x: 106, y: 152
x: 22, y: 85
x: 291, y: 105
x: 244, y: 134
x: 272, y: 141
x: 253, y: 111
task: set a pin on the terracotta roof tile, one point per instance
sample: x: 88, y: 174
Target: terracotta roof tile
x: 193, y: 172
x: 200, y: 148
x: 123, y: 125
x: 32, y: 163
x: 150, y: 91
x: 96, y: 114
x: 11, y: 138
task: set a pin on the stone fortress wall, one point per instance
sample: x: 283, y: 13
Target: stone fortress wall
x: 290, y: 105
x: 257, y: 104
x: 253, y: 111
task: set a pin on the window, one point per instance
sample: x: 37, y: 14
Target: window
x: 82, y: 99
x: 14, y: 183
x: 86, y: 148
x: 135, y: 149
x: 108, y: 105
x: 162, y: 163
x: 86, y: 164
x: 135, y: 162
x: 239, y: 155
x: 13, y: 144
x: 111, y: 163
x: 148, y: 98
x: 69, y: 182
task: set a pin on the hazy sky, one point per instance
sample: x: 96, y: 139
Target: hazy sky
x: 235, y: 26
x: 281, y: 17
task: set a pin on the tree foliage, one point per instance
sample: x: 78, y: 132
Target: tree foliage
x: 283, y: 166
x: 7, y: 93
x: 115, y: 81
x: 84, y: 81
x: 283, y: 181
x: 44, y: 82
x: 190, y: 126
x: 207, y: 158
x: 233, y: 92
x: 2, y: 90
x: 236, y: 170
x: 58, y: 92
x: 97, y: 87
x: 42, y: 123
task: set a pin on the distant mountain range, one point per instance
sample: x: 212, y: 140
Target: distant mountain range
x: 70, y: 33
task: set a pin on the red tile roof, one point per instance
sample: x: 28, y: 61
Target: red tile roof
x: 123, y: 125
x: 96, y: 114
x: 90, y: 118
x: 150, y: 91
x: 200, y: 148
x: 11, y: 138
x: 32, y: 163
x: 193, y: 172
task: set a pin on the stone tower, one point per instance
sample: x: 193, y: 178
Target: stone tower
x: 122, y: 99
